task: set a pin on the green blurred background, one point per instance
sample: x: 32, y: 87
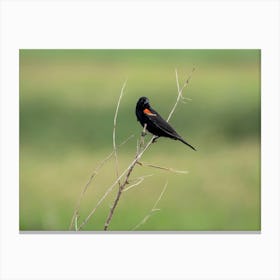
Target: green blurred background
x: 67, y: 104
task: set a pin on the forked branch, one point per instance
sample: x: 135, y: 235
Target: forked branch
x: 141, y: 149
x: 139, y: 153
x: 154, y: 208
x: 75, y: 216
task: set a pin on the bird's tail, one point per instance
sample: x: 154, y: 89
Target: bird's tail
x: 183, y: 141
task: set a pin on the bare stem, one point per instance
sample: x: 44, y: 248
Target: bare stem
x: 114, y: 184
x: 139, y: 181
x: 84, y: 189
x: 153, y: 210
x: 163, y: 168
x: 179, y: 96
x: 122, y: 186
x: 114, y: 133
x: 180, y: 92
x: 141, y: 148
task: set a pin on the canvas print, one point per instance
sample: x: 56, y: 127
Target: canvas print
x: 140, y: 140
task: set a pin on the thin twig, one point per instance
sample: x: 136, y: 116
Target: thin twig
x: 76, y: 222
x: 163, y: 168
x: 153, y: 210
x: 127, y: 172
x: 128, y: 169
x: 114, y: 132
x: 180, y: 92
x: 84, y: 189
x: 141, y: 144
x: 139, y: 181
x: 122, y: 186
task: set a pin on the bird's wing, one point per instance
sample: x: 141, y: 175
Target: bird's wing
x: 160, y: 123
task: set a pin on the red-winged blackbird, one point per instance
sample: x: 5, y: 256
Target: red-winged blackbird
x: 155, y: 124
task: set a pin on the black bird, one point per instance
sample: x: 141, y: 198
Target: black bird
x: 155, y: 124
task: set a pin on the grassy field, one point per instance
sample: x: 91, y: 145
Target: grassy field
x: 67, y: 104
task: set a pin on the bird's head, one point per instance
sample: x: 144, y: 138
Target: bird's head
x: 143, y: 103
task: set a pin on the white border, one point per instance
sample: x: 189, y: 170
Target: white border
x: 155, y: 24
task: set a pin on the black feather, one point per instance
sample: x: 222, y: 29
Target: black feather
x: 155, y: 123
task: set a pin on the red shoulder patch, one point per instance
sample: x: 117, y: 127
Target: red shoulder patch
x: 148, y: 112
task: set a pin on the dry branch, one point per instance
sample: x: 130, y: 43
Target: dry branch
x: 153, y: 210
x: 114, y: 133
x: 139, y: 154
x: 122, y: 186
x: 163, y: 168
x: 141, y: 148
x: 180, y: 92
x: 128, y: 171
x: 139, y: 181
x: 75, y: 216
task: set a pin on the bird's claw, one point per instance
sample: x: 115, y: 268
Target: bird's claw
x: 155, y: 139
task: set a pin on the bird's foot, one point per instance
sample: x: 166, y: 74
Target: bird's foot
x: 155, y: 139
